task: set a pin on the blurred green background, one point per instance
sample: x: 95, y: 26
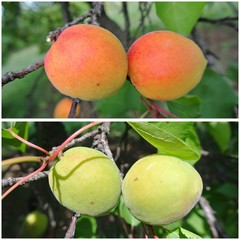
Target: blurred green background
x: 25, y: 26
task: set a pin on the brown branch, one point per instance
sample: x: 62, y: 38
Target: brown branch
x: 10, y: 76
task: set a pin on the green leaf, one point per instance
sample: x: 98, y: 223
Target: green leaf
x: 182, y: 233
x: 218, y: 98
x: 185, y: 107
x: 20, y: 128
x: 124, y: 213
x: 179, y: 17
x: 221, y: 133
x: 86, y: 227
x: 177, y: 139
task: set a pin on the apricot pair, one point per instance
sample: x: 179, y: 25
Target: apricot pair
x: 157, y: 189
x: 90, y: 63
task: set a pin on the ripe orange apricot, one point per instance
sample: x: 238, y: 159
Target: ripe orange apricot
x: 86, y: 62
x: 63, y: 108
x: 164, y: 65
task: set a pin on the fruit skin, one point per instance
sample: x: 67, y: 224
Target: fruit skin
x: 86, y: 62
x: 34, y: 225
x: 164, y: 65
x: 63, y: 108
x: 86, y: 181
x: 161, y: 189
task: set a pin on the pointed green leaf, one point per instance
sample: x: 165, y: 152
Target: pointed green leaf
x: 180, y: 17
x: 177, y: 139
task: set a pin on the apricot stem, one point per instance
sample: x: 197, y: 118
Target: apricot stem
x: 69, y: 139
x: 161, y: 110
x: 44, y: 164
x: 152, y: 230
x: 144, y: 230
x: 16, y: 160
x: 27, y: 142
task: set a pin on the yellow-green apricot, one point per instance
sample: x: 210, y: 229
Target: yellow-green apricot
x: 34, y: 225
x: 86, y: 181
x: 86, y: 62
x: 164, y: 65
x: 161, y: 189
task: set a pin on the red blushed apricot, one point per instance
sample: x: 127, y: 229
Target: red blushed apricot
x: 86, y: 62
x: 164, y: 65
x: 63, y: 108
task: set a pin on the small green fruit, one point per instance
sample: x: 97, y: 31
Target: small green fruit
x: 86, y: 181
x: 161, y: 189
x: 34, y: 225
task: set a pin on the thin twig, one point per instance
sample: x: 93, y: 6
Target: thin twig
x: 211, y: 220
x: 72, y: 227
x: 10, y: 76
x: 227, y: 21
x: 82, y: 138
x: 127, y: 23
x: 7, y: 182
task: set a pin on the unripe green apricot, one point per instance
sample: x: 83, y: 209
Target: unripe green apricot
x: 161, y: 189
x: 86, y: 181
x: 34, y: 225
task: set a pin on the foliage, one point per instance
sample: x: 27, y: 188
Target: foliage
x: 212, y: 25
x: 217, y: 168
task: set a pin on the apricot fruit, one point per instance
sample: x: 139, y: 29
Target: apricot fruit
x: 86, y: 181
x: 164, y: 65
x: 34, y: 225
x: 86, y: 62
x: 63, y: 107
x: 161, y: 189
